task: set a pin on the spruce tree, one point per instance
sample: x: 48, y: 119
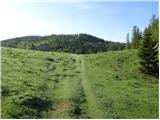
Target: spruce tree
x: 148, y: 54
x: 127, y: 42
x: 154, y: 27
x: 136, y: 38
x: 32, y: 47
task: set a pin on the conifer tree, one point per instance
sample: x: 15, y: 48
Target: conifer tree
x: 32, y: 47
x: 127, y: 42
x: 136, y: 37
x: 148, y: 54
x: 154, y: 27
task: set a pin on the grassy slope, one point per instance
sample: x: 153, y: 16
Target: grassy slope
x: 104, y: 85
x: 120, y: 91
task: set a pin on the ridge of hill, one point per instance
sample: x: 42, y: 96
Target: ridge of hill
x: 73, y: 43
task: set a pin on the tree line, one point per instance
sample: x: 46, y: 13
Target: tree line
x: 74, y: 43
x: 147, y: 42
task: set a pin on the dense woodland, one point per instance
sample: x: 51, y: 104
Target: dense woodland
x: 76, y: 43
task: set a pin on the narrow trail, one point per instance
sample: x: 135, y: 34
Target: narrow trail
x: 63, y: 93
x: 67, y: 88
x: 92, y: 108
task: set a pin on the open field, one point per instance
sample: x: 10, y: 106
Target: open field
x: 61, y: 85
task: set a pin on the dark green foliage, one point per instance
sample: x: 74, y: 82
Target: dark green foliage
x: 29, y: 106
x: 21, y: 42
x: 149, y: 54
x: 33, y: 47
x: 34, y: 102
x: 5, y: 90
x: 50, y: 59
x: 16, y: 111
x: 128, y: 45
x: 76, y: 43
x: 136, y: 38
x: 44, y: 47
x: 149, y: 49
x: 154, y: 28
x: 75, y: 111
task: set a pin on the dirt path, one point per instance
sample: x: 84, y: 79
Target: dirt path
x: 92, y: 108
x: 68, y: 89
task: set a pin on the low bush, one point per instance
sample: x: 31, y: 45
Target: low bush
x: 75, y: 111
x: 29, y: 106
x: 50, y: 59
x: 34, y: 102
x: 5, y: 90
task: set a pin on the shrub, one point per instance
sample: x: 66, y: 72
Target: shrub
x: 34, y: 102
x: 29, y: 106
x: 50, y: 59
x: 5, y: 90
x: 18, y: 112
x: 75, y: 110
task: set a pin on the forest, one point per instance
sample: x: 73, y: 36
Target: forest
x: 77, y: 43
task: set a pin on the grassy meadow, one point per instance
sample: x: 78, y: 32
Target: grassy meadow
x: 38, y: 84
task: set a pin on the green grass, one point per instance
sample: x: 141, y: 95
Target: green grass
x: 60, y: 85
x: 120, y: 90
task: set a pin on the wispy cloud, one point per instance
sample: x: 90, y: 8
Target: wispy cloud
x: 84, y: 6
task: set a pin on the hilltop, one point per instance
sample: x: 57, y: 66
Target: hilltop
x: 73, y: 43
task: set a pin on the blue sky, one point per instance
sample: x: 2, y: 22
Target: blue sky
x: 107, y: 20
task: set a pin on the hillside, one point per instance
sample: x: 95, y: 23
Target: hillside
x: 38, y: 84
x: 74, y: 43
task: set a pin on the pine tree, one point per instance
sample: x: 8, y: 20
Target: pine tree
x: 32, y: 47
x: 127, y: 42
x: 154, y: 27
x: 139, y: 41
x: 148, y: 54
x: 134, y: 34
x: 136, y: 38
